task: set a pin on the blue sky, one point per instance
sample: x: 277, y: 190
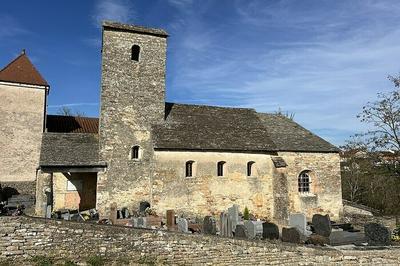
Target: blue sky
x: 322, y: 60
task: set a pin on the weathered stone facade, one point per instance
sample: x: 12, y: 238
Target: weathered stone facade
x: 21, y: 238
x: 132, y: 101
x: 325, y: 194
x: 22, y: 110
x: 269, y: 192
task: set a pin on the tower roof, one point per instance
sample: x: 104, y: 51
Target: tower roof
x: 21, y: 70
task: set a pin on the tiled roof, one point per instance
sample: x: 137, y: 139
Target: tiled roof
x: 199, y: 127
x: 69, y: 149
x: 290, y: 136
x: 72, y: 124
x: 21, y: 70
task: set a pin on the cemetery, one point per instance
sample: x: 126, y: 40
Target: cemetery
x: 233, y: 237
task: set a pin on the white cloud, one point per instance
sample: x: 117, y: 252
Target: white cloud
x: 116, y: 10
x: 10, y: 27
x: 72, y: 105
x: 337, y: 61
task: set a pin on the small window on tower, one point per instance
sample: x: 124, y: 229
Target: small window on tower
x: 135, y: 153
x: 135, y: 52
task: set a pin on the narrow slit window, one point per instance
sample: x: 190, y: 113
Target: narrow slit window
x: 135, y: 52
x: 220, y: 168
x: 250, y: 168
x: 304, y: 182
x: 189, y: 169
x: 135, y: 152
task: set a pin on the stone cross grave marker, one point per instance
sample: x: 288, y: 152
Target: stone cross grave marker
x: 183, y: 225
x: 233, y: 213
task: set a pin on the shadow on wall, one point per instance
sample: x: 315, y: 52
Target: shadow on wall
x: 8, y: 192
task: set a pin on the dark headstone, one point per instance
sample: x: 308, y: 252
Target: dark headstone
x: 143, y: 206
x: 338, y: 238
x: 322, y: 225
x: 209, y: 226
x: 291, y: 235
x: 270, y: 231
x: 170, y: 219
x: 241, y: 231
x: 377, y: 234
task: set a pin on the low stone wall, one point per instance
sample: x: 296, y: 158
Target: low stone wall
x: 24, y: 237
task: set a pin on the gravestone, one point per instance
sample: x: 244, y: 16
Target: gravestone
x: 183, y: 225
x: 170, y: 219
x: 299, y: 221
x: 254, y: 229
x: 225, y: 225
x: 322, y: 225
x: 143, y: 205
x: 141, y: 222
x: 233, y: 213
x: 291, y: 235
x: 209, y: 226
x: 377, y: 234
x: 135, y: 222
x: 270, y: 231
x: 113, y: 213
x: 241, y: 231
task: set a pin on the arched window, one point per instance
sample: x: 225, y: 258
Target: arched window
x: 135, y: 52
x: 220, y: 168
x: 304, y: 182
x: 135, y: 152
x: 189, y: 169
x: 249, y: 168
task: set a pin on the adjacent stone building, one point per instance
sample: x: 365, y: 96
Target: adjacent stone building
x: 23, y: 95
x: 195, y: 159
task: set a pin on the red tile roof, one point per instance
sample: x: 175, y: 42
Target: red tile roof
x: 21, y: 70
x: 72, y: 124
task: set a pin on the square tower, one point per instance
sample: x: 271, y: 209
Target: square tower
x: 132, y: 101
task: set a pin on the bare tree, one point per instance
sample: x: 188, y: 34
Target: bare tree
x: 67, y: 111
x: 383, y: 116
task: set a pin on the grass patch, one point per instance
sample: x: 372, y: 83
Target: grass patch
x: 42, y: 261
x: 95, y: 261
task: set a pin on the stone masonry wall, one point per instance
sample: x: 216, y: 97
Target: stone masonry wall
x: 21, y: 120
x: 24, y: 237
x: 132, y: 100
x: 206, y: 193
x: 325, y: 192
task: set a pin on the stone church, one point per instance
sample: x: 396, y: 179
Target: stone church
x: 195, y: 159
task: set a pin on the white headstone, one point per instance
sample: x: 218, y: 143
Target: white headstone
x: 183, y: 225
x: 233, y: 213
x: 298, y: 220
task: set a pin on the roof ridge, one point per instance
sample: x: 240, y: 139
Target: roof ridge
x: 74, y: 116
x: 212, y: 106
x: 12, y: 61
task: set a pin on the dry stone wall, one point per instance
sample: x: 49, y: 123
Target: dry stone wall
x: 24, y: 237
